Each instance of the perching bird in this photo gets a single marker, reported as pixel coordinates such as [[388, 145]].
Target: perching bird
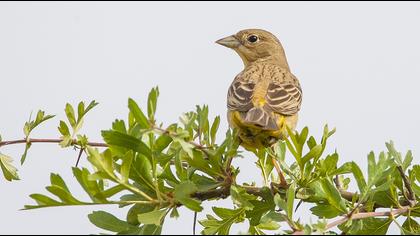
[[265, 97]]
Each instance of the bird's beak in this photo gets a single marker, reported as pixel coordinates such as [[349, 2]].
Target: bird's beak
[[230, 42]]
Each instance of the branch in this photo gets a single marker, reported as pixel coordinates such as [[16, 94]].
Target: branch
[[411, 197], [363, 215], [34, 140]]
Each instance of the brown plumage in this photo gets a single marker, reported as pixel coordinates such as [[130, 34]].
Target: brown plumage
[[265, 97]]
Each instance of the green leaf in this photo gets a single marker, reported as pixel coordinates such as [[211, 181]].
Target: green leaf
[[115, 138], [70, 115], [151, 103], [162, 142], [325, 211], [42, 201], [81, 111], [315, 152], [63, 128], [183, 193], [241, 198], [213, 129], [103, 162], [324, 188], [411, 226], [141, 172], [358, 175], [138, 114], [136, 209], [369, 226], [64, 195], [407, 160], [9, 171], [290, 200], [91, 187], [150, 230], [126, 167], [152, 218], [25, 153], [107, 221], [58, 181], [228, 217], [261, 207]]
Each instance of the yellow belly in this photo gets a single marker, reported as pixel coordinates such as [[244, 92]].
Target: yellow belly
[[254, 137]]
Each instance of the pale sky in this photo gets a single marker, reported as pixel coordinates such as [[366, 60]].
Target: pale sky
[[358, 64]]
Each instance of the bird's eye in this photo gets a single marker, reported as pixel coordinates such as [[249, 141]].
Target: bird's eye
[[252, 38]]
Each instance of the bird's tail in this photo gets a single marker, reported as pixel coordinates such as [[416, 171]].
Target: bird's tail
[[257, 116]]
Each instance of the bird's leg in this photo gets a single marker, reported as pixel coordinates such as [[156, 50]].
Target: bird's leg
[[283, 182]]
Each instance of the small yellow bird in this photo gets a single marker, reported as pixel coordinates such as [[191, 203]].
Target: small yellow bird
[[265, 97]]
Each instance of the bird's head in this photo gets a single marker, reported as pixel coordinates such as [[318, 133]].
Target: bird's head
[[255, 44]]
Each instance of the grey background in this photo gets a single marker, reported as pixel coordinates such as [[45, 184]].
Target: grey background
[[358, 64]]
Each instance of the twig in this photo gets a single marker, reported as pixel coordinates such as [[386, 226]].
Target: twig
[[195, 222], [35, 140], [411, 197], [363, 215], [80, 154]]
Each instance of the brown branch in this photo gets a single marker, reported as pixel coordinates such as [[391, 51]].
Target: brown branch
[[363, 215], [35, 140], [411, 197]]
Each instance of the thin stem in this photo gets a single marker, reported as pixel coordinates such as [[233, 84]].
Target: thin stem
[[363, 215], [195, 222], [35, 140], [411, 197], [80, 155]]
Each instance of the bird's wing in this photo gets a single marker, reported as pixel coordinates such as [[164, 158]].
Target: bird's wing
[[284, 97], [240, 95]]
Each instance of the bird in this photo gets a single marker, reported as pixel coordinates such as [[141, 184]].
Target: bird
[[265, 97]]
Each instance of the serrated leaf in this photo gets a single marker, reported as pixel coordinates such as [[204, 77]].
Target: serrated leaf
[[58, 181], [9, 171], [324, 188], [241, 198], [222, 227], [64, 195], [91, 187], [42, 201]]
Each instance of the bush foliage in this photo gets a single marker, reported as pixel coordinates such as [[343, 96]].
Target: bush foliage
[[151, 170]]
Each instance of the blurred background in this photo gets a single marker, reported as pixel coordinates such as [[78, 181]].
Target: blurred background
[[358, 64]]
